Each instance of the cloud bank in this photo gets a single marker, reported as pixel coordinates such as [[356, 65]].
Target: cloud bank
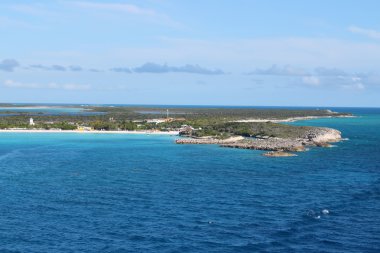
[[8, 65], [276, 70], [322, 77], [20, 85], [373, 34], [49, 68], [118, 7], [150, 67], [121, 70]]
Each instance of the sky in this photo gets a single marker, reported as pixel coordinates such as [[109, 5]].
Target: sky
[[199, 52]]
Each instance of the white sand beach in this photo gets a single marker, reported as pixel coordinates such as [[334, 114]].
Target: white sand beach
[[293, 119], [87, 132]]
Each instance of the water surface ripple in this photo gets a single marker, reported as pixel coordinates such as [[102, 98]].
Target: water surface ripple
[[136, 193]]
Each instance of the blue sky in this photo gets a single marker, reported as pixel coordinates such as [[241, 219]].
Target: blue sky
[[243, 52]]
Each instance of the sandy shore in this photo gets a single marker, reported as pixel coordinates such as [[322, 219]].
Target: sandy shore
[[87, 132], [293, 119]]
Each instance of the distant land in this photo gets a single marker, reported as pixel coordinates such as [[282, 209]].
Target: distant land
[[235, 127]]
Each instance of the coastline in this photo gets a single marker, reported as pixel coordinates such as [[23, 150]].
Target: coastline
[[278, 147], [87, 132], [293, 119]]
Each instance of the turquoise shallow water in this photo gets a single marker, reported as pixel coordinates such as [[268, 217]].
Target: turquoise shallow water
[[137, 193], [46, 110]]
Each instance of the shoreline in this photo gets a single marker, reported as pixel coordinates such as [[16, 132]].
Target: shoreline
[[278, 147], [294, 119], [87, 132]]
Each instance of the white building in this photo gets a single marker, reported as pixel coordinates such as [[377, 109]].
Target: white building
[[157, 121], [31, 122]]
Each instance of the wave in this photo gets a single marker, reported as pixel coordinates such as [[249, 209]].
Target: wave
[[317, 214]]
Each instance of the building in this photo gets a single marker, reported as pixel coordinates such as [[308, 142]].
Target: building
[[164, 120], [31, 122], [84, 128], [156, 121], [186, 130]]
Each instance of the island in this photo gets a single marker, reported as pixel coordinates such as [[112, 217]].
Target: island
[[278, 139], [265, 129]]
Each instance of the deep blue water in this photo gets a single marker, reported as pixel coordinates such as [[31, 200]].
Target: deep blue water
[[136, 193]]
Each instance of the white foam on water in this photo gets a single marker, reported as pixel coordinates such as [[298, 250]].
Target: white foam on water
[[325, 211], [317, 215]]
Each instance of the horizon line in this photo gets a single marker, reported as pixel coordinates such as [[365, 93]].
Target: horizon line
[[187, 105]]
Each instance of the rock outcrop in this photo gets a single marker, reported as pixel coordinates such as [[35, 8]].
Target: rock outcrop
[[318, 136], [323, 135], [278, 154], [210, 140], [271, 144]]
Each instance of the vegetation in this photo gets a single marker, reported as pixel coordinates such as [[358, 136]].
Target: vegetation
[[217, 122], [251, 130], [216, 114]]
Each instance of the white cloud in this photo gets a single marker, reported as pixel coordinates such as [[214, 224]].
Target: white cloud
[[354, 86], [125, 8], [322, 77], [348, 82], [34, 9], [322, 71], [238, 55], [150, 67], [20, 85], [280, 71], [104, 9], [72, 86], [117, 7], [6, 22], [356, 83], [366, 32], [311, 80]]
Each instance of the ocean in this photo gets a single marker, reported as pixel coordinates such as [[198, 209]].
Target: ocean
[[68, 192], [46, 110]]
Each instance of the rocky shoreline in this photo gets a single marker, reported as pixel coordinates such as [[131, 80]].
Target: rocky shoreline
[[278, 154], [210, 140], [317, 137]]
